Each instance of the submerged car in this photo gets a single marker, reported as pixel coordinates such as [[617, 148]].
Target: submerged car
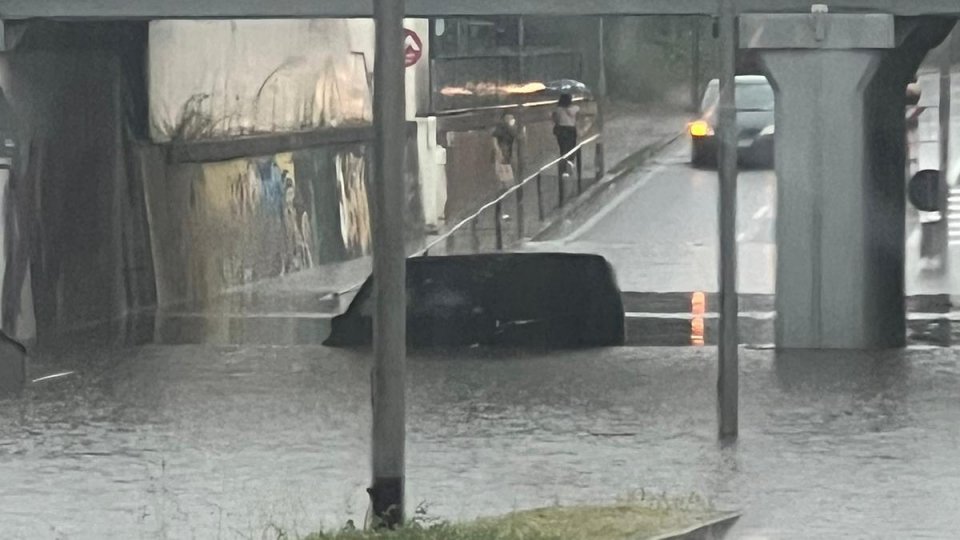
[[551, 300], [755, 129]]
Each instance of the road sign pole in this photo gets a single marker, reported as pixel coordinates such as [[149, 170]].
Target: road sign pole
[[389, 267], [728, 372]]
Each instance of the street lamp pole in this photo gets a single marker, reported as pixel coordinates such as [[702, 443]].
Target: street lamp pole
[[728, 373], [389, 268]]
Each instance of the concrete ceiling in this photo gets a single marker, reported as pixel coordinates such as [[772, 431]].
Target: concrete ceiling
[[237, 9]]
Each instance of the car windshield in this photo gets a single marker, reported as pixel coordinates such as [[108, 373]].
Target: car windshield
[[754, 97], [750, 96]]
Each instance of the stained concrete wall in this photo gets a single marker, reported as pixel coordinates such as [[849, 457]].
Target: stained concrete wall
[[80, 239], [101, 220], [222, 224], [220, 79], [217, 79]]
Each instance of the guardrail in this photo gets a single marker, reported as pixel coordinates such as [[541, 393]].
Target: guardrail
[[517, 191]]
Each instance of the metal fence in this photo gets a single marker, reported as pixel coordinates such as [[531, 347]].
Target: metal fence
[[533, 201]]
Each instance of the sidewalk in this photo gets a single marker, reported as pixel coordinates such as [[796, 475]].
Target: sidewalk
[[630, 127], [630, 132]]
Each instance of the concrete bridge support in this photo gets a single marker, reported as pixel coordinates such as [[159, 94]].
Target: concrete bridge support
[[840, 81]]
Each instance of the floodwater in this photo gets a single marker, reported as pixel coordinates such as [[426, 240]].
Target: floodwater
[[257, 431]]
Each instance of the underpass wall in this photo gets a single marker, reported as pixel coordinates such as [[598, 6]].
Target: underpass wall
[[101, 220], [239, 214], [222, 224], [80, 236]]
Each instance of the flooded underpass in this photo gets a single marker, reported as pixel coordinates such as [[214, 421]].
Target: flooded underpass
[[256, 429], [226, 417]]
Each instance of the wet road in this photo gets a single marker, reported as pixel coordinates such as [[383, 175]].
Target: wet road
[[223, 441], [661, 234], [228, 420]]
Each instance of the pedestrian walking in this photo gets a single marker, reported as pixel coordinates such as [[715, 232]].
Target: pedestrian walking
[[504, 135], [565, 130]]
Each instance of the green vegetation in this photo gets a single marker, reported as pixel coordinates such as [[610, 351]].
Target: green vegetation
[[632, 518]]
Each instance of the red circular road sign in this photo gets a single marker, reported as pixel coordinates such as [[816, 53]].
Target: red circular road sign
[[412, 47]]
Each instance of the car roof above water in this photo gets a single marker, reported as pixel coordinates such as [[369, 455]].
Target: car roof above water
[[744, 79]]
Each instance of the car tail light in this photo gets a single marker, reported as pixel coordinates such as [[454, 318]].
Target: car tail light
[[700, 129]]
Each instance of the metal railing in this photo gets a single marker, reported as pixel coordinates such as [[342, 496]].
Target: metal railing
[[517, 192]]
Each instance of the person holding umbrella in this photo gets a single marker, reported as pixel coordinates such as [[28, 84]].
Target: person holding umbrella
[[565, 129]]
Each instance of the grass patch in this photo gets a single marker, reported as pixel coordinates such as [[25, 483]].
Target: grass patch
[[629, 519]]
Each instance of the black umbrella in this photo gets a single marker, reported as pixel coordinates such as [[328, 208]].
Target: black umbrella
[[567, 86]]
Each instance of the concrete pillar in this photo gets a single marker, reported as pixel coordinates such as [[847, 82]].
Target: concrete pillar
[[820, 66], [840, 82]]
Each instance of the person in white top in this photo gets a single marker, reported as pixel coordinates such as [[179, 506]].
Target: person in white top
[[565, 129]]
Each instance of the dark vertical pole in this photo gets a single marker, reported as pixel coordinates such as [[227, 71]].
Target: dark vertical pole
[[461, 38], [474, 236], [540, 196], [942, 236], [695, 66], [579, 173], [451, 244], [521, 214], [560, 188], [601, 100], [521, 51], [498, 224], [521, 142], [431, 65], [389, 268], [728, 379]]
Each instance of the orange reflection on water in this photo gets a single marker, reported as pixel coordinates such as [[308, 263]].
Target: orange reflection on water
[[491, 89], [698, 306]]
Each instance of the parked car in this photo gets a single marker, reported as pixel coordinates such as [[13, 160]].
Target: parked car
[[755, 129]]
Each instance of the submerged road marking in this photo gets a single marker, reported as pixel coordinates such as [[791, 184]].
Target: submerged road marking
[[53, 376]]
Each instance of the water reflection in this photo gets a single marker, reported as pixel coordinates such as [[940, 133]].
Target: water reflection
[[652, 319], [698, 308], [204, 441]]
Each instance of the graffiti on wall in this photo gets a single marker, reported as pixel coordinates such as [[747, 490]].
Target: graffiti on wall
[[217, 226], [354, 205], [252, 216]]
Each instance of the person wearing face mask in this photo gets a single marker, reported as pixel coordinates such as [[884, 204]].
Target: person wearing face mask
[[504, 136]]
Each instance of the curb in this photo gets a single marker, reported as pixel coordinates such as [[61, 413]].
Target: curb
[[714, 529], [606, 184]]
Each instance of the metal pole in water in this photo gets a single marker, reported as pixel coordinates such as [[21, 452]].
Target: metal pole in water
[[695, 66], [389, 268], [942, 245], [601, 98], [728, 372]]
